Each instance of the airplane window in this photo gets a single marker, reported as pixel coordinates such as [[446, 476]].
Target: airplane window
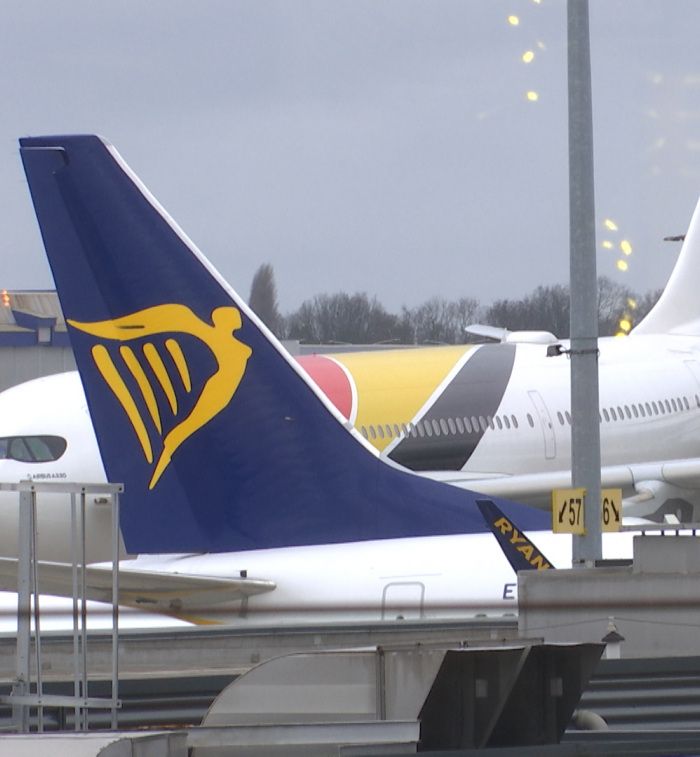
[[668, 405], [627, 412], [421, 430], [475, 424], [514, 421], [620, 414], [460, 425], [648, 408], [428, 428], [482, 423], [489, 420], [380, 431], [686, 403], [451, 424], [443, 427], [32, 449], [499, 424], [568, 416], [613, 413], [697, 400], [19, 450], [363, 431], [506, 420], [635, 412], [404, 430], [675, 406], [655, 407], [397, 433], [560, 417], [468, 425], [606, 414], [372, 433], [530, 420]]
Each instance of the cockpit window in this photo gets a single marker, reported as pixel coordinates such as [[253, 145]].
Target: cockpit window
[[32, 449]]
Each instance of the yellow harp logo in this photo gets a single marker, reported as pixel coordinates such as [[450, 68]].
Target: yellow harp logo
[[231, 357]]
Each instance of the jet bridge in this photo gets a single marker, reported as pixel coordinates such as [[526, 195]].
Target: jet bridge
[[398, 697]]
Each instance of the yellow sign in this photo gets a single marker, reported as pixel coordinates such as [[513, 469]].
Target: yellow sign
[[611, 509], [567, 511], [568, 506]]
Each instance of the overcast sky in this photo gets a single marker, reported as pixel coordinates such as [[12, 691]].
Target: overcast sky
[[383, 146]]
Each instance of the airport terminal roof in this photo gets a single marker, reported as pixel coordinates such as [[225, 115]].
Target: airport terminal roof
[[30, 317]]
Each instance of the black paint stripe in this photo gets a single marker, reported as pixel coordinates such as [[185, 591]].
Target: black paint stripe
[[476, 390]]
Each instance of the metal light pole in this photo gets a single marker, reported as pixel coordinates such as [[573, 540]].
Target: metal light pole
[[585, 427]]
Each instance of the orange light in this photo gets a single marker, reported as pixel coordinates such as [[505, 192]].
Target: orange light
[[6, 298]]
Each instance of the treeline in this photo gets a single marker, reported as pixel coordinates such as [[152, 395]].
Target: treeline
[[360, 319]]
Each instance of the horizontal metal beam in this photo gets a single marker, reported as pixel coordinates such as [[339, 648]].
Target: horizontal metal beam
[[62, 487], [289, 734], [57, 700]]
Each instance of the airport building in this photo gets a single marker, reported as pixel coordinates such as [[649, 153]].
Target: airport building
[[33, 337]]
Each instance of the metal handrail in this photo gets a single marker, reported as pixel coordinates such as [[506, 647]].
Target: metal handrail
[[21, 698]]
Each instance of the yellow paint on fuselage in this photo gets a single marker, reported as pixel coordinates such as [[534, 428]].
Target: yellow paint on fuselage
[[393, 385]]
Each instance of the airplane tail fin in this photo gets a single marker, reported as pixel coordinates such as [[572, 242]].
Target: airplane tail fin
[[520, 551], [678, 309], [221, 441]]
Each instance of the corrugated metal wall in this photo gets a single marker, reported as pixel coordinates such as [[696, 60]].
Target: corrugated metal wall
[[18, 364]]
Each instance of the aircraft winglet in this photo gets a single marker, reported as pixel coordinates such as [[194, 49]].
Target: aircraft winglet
[[520, 551]]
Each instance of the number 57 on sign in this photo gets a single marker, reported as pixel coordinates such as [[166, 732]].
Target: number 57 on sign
[[568, 508]]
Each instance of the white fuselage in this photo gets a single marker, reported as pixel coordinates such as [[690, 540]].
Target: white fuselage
[[443, 577], [636, 374], [453, 576]]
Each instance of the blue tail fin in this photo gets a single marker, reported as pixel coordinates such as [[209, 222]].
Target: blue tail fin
[[220, 440], [520, 552]]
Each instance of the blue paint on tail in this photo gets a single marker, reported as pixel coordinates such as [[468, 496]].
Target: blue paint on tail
[[256, 459]]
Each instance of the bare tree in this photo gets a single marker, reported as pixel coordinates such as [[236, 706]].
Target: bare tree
[[342, 317], [546, 309], [263, 299], [440, 321]]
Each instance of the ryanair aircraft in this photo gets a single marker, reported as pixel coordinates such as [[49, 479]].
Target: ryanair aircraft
[[234, 459], [248, 496]]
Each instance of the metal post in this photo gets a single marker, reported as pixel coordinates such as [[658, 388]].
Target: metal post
[[585, 427], [76, 641], [37, 609], [115, 607], [83, 612], [20, 712]]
